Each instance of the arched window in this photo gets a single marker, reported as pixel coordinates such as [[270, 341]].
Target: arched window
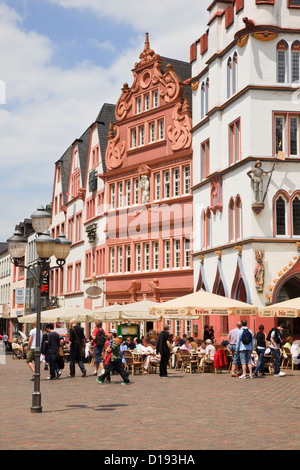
[[296, 215], [282, 61], [231, 219], [238, 217], [234, 73], [208, 228], [229, 66], [206, 95], [280, 215], [202, 100], [295, 65]]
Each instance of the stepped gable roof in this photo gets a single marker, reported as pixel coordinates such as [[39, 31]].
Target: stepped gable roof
[[103, 120]]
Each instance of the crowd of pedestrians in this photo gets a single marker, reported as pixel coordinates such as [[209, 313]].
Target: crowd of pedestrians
[[249, 351]]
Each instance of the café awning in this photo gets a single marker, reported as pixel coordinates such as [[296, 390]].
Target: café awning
[[201, 303], [289, 309]]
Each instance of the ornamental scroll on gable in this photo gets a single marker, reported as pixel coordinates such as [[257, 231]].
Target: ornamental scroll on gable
[[180, 133], [148, 74], [114, 155]]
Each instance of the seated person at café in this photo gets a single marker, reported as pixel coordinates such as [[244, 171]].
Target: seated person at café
[[295, 352], [193, 343], [187, 345], [209, 353]]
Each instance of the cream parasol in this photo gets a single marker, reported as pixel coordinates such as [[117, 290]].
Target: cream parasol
[[201, 303], [61, 314], [289, 309]]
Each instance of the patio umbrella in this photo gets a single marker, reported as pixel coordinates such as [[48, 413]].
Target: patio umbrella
[[136, 311], [289, 309], [201, 303], [61, 314]]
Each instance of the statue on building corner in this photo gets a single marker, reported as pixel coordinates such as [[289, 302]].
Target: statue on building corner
[[256, 175], [259, 271]]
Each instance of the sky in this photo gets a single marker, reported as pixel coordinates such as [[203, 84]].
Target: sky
[[60, 61]]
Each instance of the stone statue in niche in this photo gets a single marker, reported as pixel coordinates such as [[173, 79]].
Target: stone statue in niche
[[145, 185], [259, 272], [256, 175]]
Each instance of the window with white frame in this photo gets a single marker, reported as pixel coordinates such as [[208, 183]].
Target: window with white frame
[[281, 215], [146, 256], [167, 254], [128, 192], [112, 260], [152, 132], [166, 184], [176, 182], [120, 194], [120, 259], [186, 179], [112, 196], [188, 328], [138, 105], [155, 99], [282, 62], [177, 254], [187, 252], [178, 328], [157, 186], [128, 259], [141, 136], [147, 102], [138, 257], [295, 59], [133, 138], [136, 188], [155, 255], [161, 129], [286, 133]]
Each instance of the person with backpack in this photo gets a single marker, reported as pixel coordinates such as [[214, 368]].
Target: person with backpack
[[99, 339], [275, 338], [244, 347], [260, 346]]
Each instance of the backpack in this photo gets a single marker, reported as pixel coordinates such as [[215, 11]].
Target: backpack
[[100, 338], [246, 337], [277, 337]]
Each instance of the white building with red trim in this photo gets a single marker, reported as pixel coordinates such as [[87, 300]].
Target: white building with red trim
[[245, 84]]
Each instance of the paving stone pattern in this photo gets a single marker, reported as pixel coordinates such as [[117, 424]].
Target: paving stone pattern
[[184, 412]]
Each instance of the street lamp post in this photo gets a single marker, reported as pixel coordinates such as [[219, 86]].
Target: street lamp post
[[46, 247]]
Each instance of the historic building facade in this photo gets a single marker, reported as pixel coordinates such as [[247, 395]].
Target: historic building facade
[[148, 185], [246, 155]]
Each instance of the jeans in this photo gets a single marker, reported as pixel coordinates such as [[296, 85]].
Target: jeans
[[75, 357], [163, 364], [277, 360], [245, 356], [114, 366], [53, 365], [260, 363]]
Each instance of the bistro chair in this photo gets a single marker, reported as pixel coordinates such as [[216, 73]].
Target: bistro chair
[[133, 362], [287, 359]]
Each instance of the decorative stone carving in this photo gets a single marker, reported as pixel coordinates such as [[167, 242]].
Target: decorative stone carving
[[145, 185], [259, 271], [115, 150], [170, 87], [124, 103], [180, 135], [91, 231]]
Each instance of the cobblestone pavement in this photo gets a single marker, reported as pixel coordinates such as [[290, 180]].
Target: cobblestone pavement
[[185, 412]]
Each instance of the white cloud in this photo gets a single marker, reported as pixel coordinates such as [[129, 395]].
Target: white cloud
[[47, 107]]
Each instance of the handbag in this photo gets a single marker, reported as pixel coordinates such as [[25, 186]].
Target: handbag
[[82, 350]]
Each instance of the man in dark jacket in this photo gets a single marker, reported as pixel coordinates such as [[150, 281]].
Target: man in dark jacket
[[163, 347], [53, 349], [76, 342]]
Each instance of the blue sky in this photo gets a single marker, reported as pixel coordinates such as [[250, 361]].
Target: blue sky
[[61, 60]]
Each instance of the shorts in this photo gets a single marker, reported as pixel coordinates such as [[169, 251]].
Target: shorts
[[235, 355], [98, 355], [245, 356], [30, 355]]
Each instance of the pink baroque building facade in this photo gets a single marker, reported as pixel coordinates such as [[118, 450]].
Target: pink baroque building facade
[[148, 186]]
